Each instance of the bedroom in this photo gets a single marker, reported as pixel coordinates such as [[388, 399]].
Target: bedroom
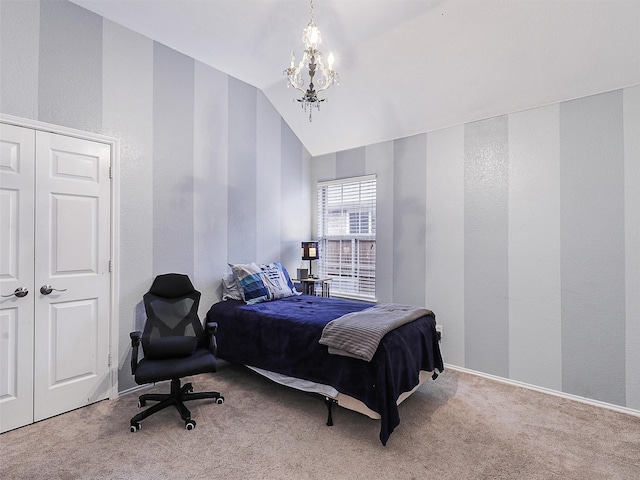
[[501, 263]]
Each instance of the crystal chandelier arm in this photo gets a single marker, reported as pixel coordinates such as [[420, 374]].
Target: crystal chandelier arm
[[293, 73], [327, 76]]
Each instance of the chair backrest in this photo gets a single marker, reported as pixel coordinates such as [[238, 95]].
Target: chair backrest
[[171, 305]]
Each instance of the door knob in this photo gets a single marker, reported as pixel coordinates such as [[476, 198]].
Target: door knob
[[18, 292], [47, 289]]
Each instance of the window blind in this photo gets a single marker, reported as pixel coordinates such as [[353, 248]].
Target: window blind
[[347, 235]]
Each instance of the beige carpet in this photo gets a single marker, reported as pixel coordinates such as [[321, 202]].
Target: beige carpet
[[459, 427]]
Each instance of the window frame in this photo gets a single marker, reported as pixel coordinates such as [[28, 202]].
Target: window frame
[[346, 231]]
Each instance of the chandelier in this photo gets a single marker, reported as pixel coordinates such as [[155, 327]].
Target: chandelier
[[321, 77]]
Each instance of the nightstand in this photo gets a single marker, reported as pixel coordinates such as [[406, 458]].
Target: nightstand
[[309, 285]]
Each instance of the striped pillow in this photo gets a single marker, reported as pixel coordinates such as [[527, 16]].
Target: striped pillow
[[249, 279]]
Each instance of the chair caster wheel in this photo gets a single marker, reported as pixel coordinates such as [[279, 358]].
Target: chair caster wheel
[[134, 427], [190, 424], [220, 400], [141, 403]]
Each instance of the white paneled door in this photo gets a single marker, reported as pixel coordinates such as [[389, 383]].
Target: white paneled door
[[55, 207], [17, 180]]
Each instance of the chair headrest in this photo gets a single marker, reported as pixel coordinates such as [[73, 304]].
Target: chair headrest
[[171, 285]]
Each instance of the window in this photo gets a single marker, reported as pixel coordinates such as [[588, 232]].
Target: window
[[347, 235]]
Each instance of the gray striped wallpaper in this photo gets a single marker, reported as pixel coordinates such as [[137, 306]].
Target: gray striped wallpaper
[[522, 233], [206, 162]]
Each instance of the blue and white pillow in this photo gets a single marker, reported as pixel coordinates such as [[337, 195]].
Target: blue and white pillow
[[276, 278], [249, 279], [264, 282]]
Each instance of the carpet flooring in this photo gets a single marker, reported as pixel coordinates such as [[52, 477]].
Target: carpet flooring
[[460, 426]]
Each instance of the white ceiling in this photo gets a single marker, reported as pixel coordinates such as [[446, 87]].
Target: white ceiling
[[406, 66]]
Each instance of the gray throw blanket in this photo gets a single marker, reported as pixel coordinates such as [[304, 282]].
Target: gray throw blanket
[[358, 334]]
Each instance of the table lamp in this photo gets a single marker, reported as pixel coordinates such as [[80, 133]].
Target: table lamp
[[310, 252]]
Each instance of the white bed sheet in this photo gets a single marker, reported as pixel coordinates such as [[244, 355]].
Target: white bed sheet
[[343, 400]]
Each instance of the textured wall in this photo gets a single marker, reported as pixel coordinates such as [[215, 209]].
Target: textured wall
[[521, 232], [206, 163], [592, 255]]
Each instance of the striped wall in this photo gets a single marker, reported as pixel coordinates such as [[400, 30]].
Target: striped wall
[[206, 163], [522, 233]]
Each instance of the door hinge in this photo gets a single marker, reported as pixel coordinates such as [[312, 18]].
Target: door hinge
[[110, 171], [109, 360], [110, 266]]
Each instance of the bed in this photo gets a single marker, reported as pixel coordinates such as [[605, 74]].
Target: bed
[[280, 339]]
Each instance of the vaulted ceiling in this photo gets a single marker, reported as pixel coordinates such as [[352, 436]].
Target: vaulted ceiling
[[406, 66]]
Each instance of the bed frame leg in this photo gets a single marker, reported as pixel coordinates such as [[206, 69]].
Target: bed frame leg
[[329, 403]]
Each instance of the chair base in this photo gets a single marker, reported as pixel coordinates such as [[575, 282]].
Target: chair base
[[179, 394]]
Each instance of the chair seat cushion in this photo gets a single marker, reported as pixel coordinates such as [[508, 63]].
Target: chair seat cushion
[[150, 370], [169, 347]]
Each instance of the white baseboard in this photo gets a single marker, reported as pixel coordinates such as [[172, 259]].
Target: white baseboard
[[568, 396], [515, 383]]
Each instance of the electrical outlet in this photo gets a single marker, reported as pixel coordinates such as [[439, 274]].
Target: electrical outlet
[[439, 331]]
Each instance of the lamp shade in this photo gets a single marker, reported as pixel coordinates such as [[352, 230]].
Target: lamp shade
[[310, 251]]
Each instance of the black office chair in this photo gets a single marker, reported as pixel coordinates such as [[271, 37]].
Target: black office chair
[[175, 345]]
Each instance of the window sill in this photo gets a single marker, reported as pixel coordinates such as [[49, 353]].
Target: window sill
[[354, 297]]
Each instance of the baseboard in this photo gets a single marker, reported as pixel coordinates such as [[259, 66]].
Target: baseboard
[[549, 391], [495, 378]]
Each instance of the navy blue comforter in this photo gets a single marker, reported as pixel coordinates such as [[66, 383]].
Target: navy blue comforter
[[282, 336]]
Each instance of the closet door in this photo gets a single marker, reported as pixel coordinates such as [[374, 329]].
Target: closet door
[[72, 279], [17, 154], [55, 252]]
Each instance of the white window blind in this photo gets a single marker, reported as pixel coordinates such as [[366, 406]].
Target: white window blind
[[347, 235]]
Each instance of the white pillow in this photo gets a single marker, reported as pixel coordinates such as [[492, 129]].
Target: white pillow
[[230, 289]]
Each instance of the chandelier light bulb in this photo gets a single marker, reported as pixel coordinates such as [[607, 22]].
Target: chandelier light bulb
[[315, 34], [330, 60]]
